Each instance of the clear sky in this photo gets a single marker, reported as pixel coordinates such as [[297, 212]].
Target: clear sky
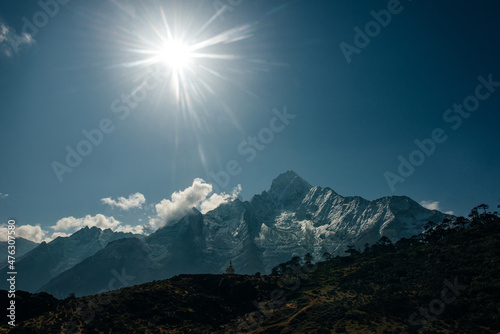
[[153, 95]]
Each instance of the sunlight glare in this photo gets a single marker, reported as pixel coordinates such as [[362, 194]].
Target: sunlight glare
[[175, 54], [197, 59]]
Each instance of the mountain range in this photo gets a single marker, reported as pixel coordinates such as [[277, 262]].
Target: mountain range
[[292, 218], [442, 281], [47, 260], [23, 246]]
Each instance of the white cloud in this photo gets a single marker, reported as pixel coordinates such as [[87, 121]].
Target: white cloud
[[2, 196], [170, 210], [434, 206], [10, 42], [30, 232], [217, 199], [138, 229], [430, 205], [73, 224], [167, 211], [33, 233], [133, 201], [67, 226], [55, 235]]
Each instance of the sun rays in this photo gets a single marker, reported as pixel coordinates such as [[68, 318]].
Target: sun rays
[[204, 64], [194, 54]]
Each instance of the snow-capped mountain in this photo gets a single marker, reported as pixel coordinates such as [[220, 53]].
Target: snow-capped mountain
[[48, 260], [291, 218]]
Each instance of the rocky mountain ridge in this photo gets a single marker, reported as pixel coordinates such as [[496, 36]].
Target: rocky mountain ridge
[[290, 219]]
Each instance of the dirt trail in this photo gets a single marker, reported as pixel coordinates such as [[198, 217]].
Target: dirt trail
[[286, 322]]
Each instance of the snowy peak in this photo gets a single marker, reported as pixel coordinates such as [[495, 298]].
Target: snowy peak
[[402, 203], [292, 218], [170, 233], [287, 179], [288, 188], [91, 235], [86, 233]]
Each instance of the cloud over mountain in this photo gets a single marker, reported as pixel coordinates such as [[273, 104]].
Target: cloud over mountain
[[133, 201], [217, 199], [433, 205], [73, 224], [430, 205], [196, 195], [29, 232]]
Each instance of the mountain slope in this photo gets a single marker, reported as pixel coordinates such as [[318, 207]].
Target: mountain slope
[[48, 260], [23, 246], [291, 218], [318, 220], [445, 281]]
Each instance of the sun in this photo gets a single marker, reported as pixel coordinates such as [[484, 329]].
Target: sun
[[193, 56], [175, 54]]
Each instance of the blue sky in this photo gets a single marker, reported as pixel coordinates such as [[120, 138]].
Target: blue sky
[[271, 88]]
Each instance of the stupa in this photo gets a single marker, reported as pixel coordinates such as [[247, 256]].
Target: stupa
[[230, 269]]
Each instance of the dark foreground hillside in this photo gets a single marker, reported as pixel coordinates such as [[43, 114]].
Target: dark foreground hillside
[[445, 281]]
